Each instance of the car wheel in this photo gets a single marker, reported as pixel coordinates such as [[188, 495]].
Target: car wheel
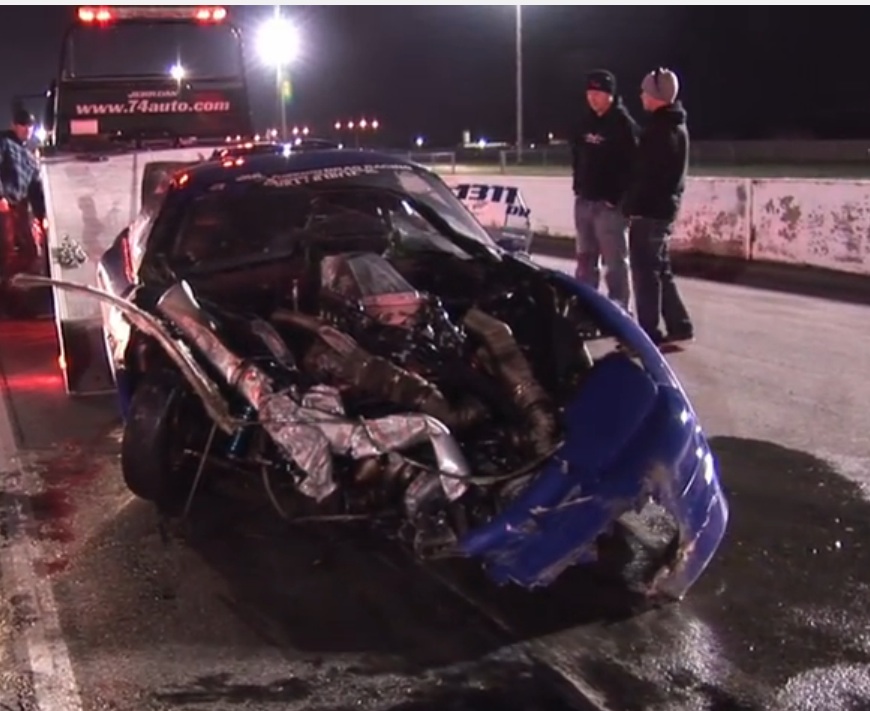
[[156, 435]]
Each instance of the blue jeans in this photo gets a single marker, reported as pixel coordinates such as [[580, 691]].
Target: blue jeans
[[655, 291], [602, 236]]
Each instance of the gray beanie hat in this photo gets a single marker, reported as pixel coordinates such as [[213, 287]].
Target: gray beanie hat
[[661, 84]]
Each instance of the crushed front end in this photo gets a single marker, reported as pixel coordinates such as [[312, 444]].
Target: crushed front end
[[631, 438]]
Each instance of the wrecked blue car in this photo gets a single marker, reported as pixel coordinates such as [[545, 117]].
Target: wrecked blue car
[[335, 328]]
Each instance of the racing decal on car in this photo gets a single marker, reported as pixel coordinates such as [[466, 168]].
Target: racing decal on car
[[479, 198], [307, 177], [502, 210]]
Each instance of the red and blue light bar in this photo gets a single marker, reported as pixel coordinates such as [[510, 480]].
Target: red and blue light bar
[[107, 14]]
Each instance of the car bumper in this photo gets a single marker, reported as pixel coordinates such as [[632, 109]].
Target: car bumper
[[629, 440], [631, 436]]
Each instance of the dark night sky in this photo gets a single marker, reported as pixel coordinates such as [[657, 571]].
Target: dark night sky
[[748, 72]]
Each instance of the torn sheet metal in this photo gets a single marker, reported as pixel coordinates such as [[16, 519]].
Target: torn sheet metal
[[202, 385]]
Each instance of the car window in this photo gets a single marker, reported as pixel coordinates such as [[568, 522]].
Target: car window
[[221, 228], [224, 227]]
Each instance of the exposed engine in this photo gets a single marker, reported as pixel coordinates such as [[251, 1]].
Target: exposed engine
[[378, 396]]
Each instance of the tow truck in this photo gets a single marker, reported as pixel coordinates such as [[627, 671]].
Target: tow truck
[[113, 138]]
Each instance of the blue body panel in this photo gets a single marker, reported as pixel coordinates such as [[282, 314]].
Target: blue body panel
[[631, 435]]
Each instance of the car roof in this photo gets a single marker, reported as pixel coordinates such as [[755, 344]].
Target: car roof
[[205, 175]]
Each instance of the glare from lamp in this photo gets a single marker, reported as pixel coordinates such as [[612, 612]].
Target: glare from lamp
[[278, 42], [177, 72]]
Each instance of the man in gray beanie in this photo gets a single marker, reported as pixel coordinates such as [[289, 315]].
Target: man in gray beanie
[[652, 205]]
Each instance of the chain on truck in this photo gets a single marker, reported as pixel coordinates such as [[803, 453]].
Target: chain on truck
[[114, 135]]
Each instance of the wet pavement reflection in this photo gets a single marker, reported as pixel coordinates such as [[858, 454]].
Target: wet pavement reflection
[[779, 621]]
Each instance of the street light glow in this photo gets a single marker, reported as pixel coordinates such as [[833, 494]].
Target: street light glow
[[278, 42], [177, 72]]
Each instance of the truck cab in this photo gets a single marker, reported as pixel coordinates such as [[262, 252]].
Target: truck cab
[[181, 78]]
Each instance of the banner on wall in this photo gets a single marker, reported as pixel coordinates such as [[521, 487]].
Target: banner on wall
[[502, 210]]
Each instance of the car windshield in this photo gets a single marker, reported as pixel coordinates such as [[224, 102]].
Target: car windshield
[[357, 208]]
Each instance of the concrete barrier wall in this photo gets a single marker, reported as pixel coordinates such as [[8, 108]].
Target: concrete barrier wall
[[819, 223]]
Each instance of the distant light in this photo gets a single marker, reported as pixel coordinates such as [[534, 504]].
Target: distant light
[[363, 124], [481, 143], [376, 124], [286, 150], [278, 42], [338, 125], [40, 134], [350, 125], [295, 130], [419, 141], [341, 145], [177, 72], [550, 136], [305, 131]]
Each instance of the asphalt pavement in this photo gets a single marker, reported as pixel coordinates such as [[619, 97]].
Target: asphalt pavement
[[242, 613]]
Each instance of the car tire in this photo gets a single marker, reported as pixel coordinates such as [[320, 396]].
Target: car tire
[[152, 462]]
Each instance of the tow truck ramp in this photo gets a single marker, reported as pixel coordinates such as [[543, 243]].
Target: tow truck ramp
[[90, 200]]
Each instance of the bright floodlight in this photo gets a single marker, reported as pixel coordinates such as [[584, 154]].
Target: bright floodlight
[[177, 72], [278, 42]]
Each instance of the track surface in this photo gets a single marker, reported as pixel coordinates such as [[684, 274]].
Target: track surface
[[244, 614]]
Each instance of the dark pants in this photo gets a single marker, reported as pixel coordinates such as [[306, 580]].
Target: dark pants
[[655, 290], [20, 247]]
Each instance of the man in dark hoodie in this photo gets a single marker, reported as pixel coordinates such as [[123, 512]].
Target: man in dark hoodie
[[652, 204], [603, 150], [21, 193]]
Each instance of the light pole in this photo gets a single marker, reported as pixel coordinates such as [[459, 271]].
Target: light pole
[[519, 83], [278, 43]]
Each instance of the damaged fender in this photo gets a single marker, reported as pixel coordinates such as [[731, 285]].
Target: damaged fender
[[631, 436]]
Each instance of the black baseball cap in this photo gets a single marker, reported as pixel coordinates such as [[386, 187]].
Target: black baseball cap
[[22, 117], [601, 80]]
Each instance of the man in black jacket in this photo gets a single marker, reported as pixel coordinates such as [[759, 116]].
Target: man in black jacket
[[652, 205], [602, 150]]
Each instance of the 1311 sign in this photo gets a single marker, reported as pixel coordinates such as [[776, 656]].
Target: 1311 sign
[[498, 194]]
